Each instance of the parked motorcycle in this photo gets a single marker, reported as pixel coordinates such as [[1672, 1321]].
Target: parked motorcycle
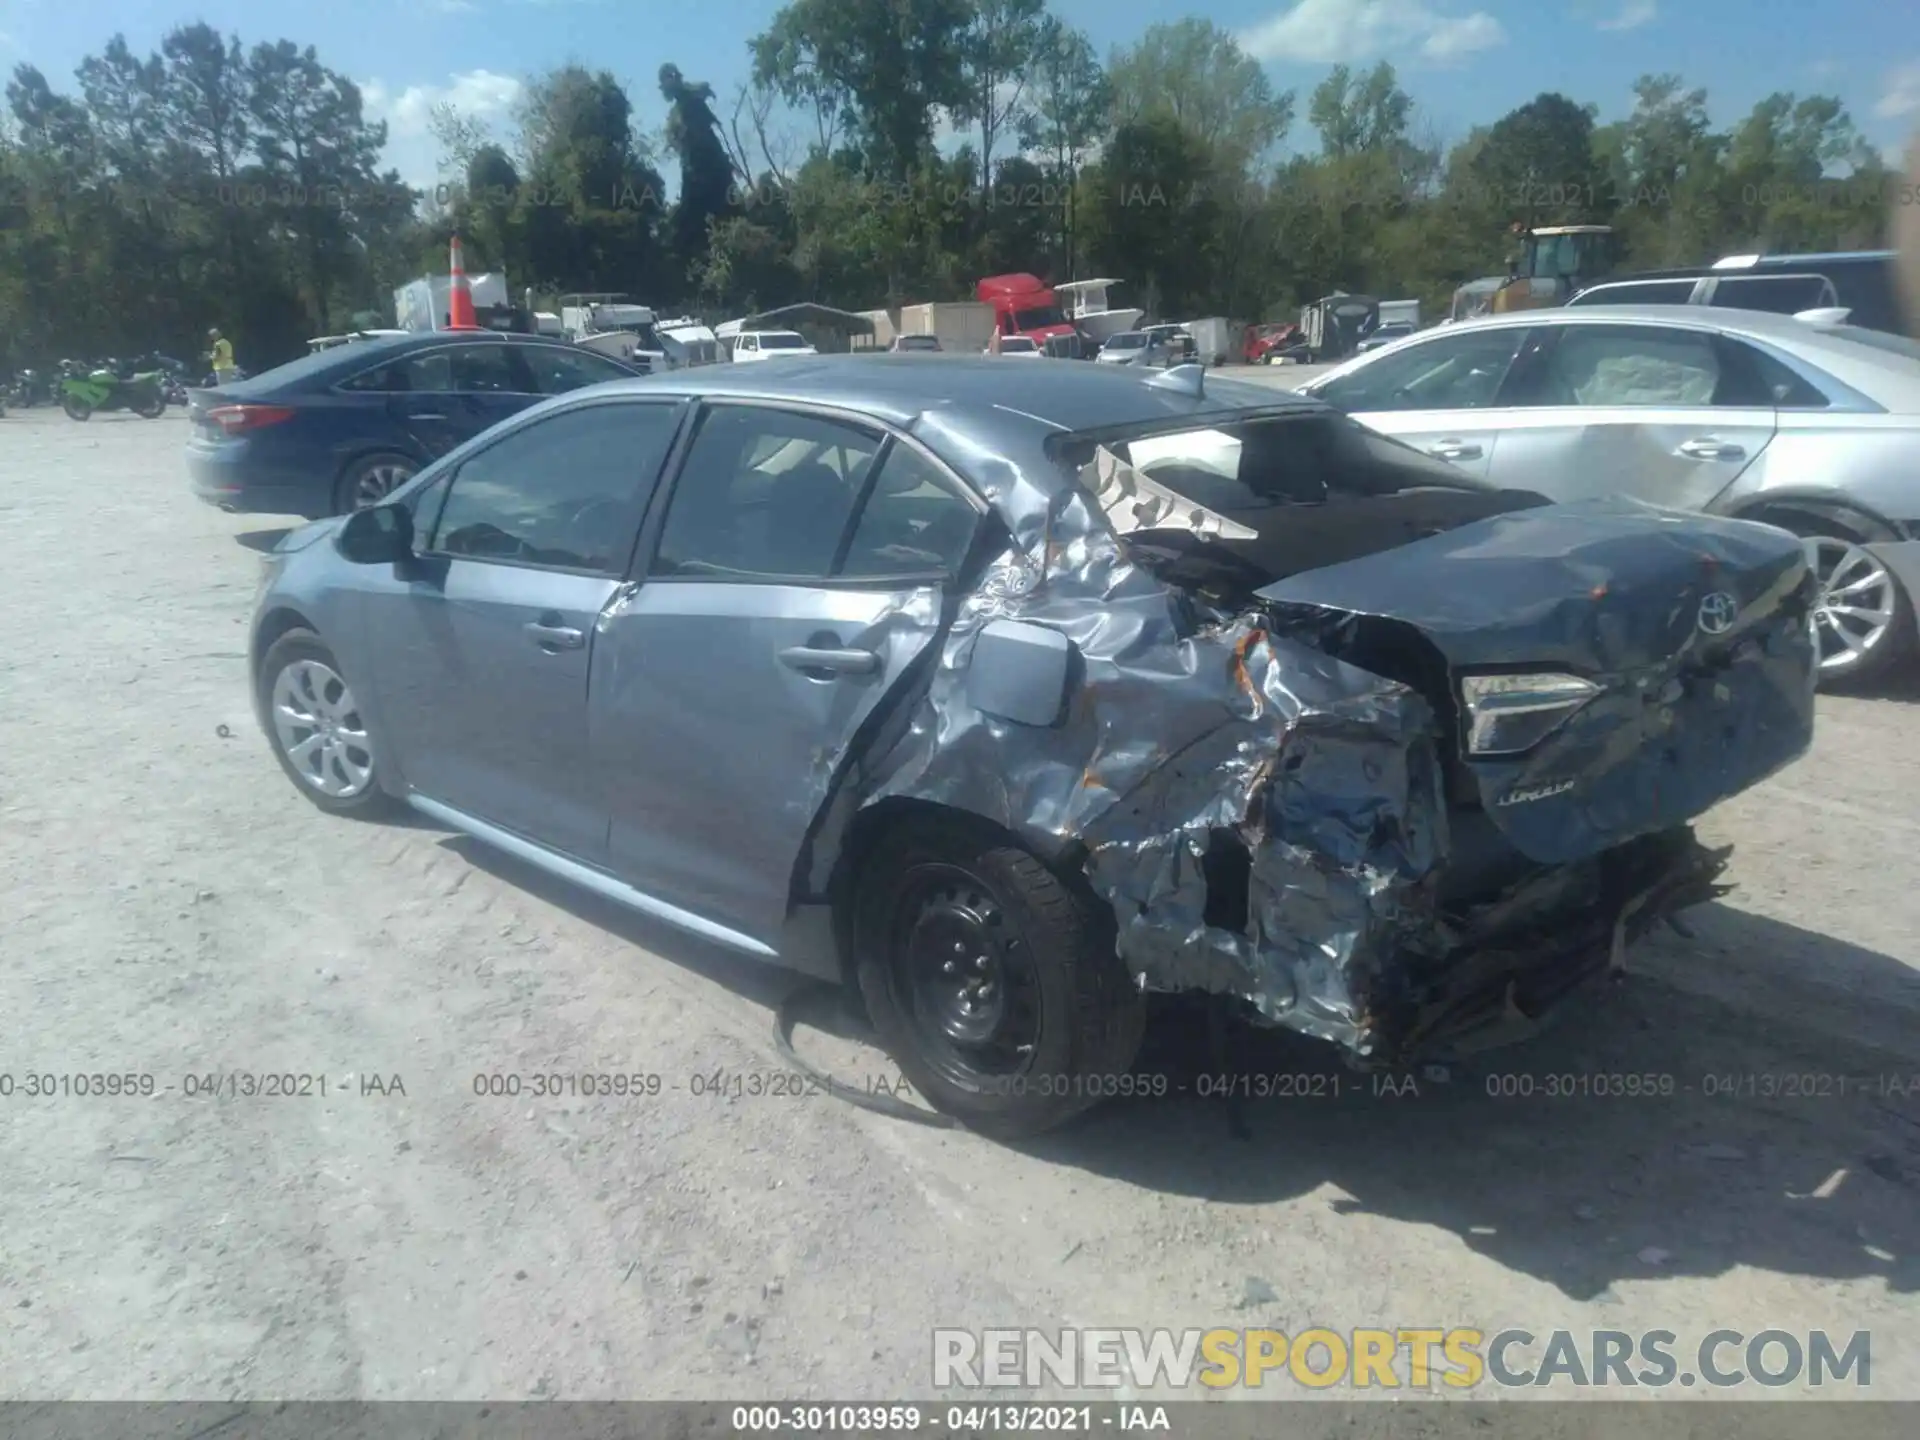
[[84, 394], [29, 388]]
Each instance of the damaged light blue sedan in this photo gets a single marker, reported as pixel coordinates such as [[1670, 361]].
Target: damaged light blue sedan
[[1010, 693]]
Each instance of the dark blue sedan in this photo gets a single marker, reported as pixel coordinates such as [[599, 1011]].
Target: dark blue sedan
[[336, 431]]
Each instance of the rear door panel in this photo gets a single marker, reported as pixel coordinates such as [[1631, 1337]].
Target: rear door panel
[[1682, 457]]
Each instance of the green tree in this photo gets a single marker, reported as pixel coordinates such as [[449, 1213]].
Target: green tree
[[706, 173]]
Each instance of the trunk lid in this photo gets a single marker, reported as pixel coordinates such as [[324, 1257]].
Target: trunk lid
[[1691, 632]]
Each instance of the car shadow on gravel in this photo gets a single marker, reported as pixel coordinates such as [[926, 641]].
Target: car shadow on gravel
[[1656, 1131], [1759, 1131]]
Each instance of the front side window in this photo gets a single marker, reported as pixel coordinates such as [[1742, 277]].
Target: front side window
[[1456, 372], [783, 342], [564, 492], [1629, 365]]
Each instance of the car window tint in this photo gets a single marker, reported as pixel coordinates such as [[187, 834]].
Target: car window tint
[[763, 493], [1756, 378], [557, 369], [1651, 292], [488, 370], [1780, 294], [913, 522], [1629, 365], [1460, 372], [427, 370], [565, 491]]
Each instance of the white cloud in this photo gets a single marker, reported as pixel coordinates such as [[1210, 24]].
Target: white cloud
[[1334, 32], [1632, 15], [411, 148], [1901, 98]]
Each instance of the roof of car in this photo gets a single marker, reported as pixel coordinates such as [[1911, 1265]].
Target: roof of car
[[1064, 395]]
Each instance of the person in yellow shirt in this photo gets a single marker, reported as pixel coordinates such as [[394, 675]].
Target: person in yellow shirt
[[222, 356]]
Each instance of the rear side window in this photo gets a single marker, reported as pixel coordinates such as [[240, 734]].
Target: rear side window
[[1755, 378], [1777, 294], [490, 370], [429, 371], [763, 494], [1648, 292], [1604, 365], [557, 370], [565, 492]]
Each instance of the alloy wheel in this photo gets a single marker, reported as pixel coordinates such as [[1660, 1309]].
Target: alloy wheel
[[378, 481], [1856, 606], [318, 726]]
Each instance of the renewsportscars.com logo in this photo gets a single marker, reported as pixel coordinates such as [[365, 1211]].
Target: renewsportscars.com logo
[[1400, 1358]]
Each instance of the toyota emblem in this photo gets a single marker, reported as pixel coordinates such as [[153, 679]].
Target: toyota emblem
[[1718, 612]]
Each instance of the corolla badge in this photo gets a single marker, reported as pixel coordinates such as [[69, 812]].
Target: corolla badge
[[1718, 611]]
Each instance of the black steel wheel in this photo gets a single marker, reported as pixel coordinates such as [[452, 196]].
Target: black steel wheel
[[991, 980]]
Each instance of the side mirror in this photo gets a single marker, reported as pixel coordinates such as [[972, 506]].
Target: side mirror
[[378, 535]]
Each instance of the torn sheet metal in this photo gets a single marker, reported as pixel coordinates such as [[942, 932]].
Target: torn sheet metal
[[1190, 734], [1177, 729]]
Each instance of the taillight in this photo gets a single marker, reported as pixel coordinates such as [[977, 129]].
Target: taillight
[[238, 419]]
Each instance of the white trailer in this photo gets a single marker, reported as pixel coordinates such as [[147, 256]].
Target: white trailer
[[961, 326], [422, 304], [1214, 340], [1400, 312]]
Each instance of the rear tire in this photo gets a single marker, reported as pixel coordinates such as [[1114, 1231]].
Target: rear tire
[[369, 480], [315, 728], [991, 982]]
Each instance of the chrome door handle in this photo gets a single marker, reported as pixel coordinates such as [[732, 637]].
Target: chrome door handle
[[556, 637], [1454, 450], [838, 662], [1706, 449]]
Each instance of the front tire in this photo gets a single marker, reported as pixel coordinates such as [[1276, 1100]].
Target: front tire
[[153, 408], [76, 409], [991, 982], [316, 729]]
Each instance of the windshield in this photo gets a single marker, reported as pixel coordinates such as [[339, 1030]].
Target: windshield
[[782, 340], [1132, 340], [919, 342], [1038, 319], [1017, 343]]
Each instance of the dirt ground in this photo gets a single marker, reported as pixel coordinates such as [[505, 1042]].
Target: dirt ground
[[169, 907]]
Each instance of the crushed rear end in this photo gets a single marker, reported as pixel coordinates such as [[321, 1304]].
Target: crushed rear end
[[1404, 794]]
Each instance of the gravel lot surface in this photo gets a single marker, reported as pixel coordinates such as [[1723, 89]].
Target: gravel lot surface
[[169, 907]]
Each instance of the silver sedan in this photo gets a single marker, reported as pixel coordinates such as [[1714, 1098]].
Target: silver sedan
[[1815, 428]]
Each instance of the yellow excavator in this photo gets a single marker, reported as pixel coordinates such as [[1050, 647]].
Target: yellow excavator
[[1553, 262]]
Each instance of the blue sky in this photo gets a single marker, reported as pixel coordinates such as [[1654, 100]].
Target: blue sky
[[1464, 61]]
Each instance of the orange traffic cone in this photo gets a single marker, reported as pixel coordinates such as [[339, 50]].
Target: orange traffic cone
[[460, 314]]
